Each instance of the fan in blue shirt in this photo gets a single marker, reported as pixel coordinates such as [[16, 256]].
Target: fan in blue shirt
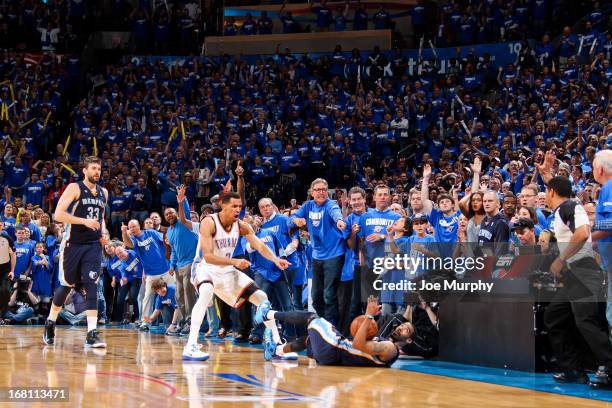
[[34, 191], [114, 265], [261, 265], [129, 282], [41, 273], [278, 224], [25, 221], [149, 245], [17, 174], [422, 245], [180, 236], [397, 242], [24, 251], [165, 305], [249, 26], [267, 275], [325, 224], [445, 220], [351, 234], [373, 225], [132, 270], [603, 213], [324, 14]]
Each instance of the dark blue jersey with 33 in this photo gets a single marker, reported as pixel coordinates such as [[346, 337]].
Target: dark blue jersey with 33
[[90, 205]]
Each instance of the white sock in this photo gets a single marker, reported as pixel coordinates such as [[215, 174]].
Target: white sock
[[279, 350], [271, 324], [271, 314], [92, 323], [53, 313], [198, 312]]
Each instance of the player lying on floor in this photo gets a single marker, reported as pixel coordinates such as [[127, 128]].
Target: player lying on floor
[[326, 345]]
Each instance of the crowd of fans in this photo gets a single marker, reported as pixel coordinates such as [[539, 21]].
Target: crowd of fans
[[64, 26], [446, 153], [177, 23], [54, 25], [452, 23]]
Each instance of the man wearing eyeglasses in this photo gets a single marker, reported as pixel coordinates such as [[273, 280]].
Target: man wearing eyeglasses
[[323, 218], [602, 231], [529, 198]]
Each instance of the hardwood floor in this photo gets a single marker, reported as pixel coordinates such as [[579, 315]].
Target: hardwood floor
[[146, 370]]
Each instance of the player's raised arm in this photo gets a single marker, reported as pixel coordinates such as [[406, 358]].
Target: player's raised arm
[[207, 230], [259, 246], [61, 214], [385, 350]]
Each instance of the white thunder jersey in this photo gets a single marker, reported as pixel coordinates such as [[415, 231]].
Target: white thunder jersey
[[224, 243], [228, 282]]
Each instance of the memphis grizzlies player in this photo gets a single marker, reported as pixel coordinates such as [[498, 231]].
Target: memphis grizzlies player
[[81, 209]]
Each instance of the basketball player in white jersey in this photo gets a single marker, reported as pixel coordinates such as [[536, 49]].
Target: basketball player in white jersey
[[219, 273]]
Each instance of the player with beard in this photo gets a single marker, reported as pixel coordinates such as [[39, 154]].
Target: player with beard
[[396, 333], [81, 209]]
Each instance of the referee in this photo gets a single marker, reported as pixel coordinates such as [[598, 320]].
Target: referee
[[7, 269], [577, 304]]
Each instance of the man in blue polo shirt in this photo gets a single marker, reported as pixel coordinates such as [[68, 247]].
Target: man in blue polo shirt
[[602, 172], [325, 226], [149, 245], [183, 242]]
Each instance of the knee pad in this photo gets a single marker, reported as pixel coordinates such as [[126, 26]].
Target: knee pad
[[60, 295], [252, 290], [91, 295]]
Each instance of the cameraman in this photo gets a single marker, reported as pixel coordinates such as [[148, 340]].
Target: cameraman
[[22, 302], [418, 323]]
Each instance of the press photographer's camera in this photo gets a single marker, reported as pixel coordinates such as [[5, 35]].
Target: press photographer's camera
[[23, 283]]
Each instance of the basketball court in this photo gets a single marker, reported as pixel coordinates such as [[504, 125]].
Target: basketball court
[[146, 369]]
